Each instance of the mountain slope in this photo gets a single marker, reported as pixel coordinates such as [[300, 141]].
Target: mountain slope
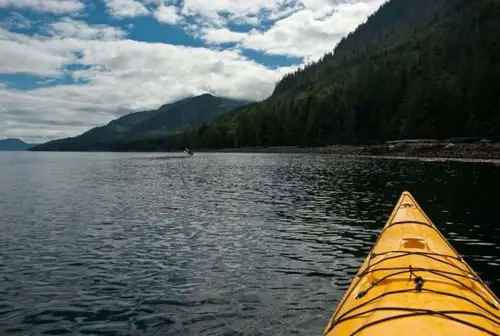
[[167, 119], [187, 113], [416, 68], [12, 144]]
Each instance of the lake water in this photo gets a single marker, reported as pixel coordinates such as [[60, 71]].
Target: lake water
[[215, 244]]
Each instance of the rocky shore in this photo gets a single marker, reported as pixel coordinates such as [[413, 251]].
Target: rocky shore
[[432, 149]]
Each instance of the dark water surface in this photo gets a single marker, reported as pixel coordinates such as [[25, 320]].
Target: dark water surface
[[216, 244]]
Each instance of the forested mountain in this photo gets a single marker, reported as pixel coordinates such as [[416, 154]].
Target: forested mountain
[[168, 119], [416, 68], [12, 144]]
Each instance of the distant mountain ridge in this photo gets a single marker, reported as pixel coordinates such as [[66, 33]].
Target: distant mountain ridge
[[167, 119], [14, 144], [416, 69]]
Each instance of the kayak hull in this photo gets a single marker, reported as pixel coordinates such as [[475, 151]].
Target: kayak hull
[[413, 282]]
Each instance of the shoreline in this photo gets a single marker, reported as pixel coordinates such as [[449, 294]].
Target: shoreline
[[480, 151], [412, 149]]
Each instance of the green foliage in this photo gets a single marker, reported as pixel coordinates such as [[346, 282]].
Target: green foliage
[[416, 68], [144, 127]]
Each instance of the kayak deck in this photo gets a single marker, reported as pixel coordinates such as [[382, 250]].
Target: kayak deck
[[413, 282]]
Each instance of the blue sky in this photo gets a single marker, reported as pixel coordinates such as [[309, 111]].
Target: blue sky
[[69, 65]]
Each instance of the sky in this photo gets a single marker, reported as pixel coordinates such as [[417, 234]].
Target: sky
[[70, 65]]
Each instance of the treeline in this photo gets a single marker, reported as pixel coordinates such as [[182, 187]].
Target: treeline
[[415, 69], [133, 128]]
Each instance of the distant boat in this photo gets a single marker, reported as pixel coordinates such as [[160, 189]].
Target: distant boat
[[188, 152]]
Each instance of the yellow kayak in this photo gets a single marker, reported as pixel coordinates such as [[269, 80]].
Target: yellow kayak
[[413, 282]]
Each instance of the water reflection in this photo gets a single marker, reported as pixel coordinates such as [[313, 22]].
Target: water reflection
[[214, 244]]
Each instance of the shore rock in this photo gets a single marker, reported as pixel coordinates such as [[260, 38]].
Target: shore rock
[[476, 150]]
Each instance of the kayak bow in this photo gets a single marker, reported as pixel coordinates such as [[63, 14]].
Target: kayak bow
[[413, 282]]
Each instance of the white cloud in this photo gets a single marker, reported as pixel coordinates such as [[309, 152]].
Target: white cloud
[[22, 54], [215, 12], [18, 58], [16, 21], [322, 6], [223, 35], [167, 14], [126, 8], [116, 76], [212, 10], [47, 56], [307, 33], [49, 6], [68, 27], [252, 20], [280, 13]]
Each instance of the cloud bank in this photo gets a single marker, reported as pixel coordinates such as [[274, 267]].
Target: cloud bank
[[69, 75]]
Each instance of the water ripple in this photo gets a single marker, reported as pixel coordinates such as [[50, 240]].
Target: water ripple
[[226, 244]]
